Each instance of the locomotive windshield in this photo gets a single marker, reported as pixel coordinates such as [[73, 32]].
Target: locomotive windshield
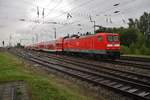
[[116, 38], [112, 38]]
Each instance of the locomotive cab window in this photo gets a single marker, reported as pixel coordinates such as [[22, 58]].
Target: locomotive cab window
[[116, 38], [99, 38], [112, 38], [109, 38]]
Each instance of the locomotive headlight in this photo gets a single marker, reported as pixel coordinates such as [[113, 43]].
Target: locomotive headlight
[[109, 45], [117, 45]]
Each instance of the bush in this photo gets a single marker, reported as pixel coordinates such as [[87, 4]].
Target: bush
[[144, 50], [124, 49], [129, 36]]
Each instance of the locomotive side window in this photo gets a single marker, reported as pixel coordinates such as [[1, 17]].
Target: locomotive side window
[[99, 38]]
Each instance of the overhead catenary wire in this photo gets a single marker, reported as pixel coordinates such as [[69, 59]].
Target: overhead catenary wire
[[111, 8], [43, 13], [74, 8], [55, 6], [86, 2]]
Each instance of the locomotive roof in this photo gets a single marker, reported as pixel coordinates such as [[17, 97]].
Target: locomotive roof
[[106, 34], [90, 35]]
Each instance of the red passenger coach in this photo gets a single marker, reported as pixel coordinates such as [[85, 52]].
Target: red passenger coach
[[51, 46], [106, 44], [59, 45]]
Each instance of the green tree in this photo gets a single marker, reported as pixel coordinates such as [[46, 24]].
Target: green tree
[[131, 23], [144, 22], [129, 36]]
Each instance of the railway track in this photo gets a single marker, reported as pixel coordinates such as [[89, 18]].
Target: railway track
[[132, 76], [126, 61], [140, 78], [135, 64], [139, 62], [137, 90], [142, 64]]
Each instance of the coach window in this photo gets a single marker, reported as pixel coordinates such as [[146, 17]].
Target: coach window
[[99, 38]]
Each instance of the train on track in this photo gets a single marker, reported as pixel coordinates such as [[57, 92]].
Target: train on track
[[97, 45]]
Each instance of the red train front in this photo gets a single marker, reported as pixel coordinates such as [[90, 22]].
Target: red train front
[[100, 44]]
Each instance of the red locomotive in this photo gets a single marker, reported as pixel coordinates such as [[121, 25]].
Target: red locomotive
[[100, 44]]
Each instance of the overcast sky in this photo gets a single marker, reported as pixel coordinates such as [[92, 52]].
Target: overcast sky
[[19, 20]]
